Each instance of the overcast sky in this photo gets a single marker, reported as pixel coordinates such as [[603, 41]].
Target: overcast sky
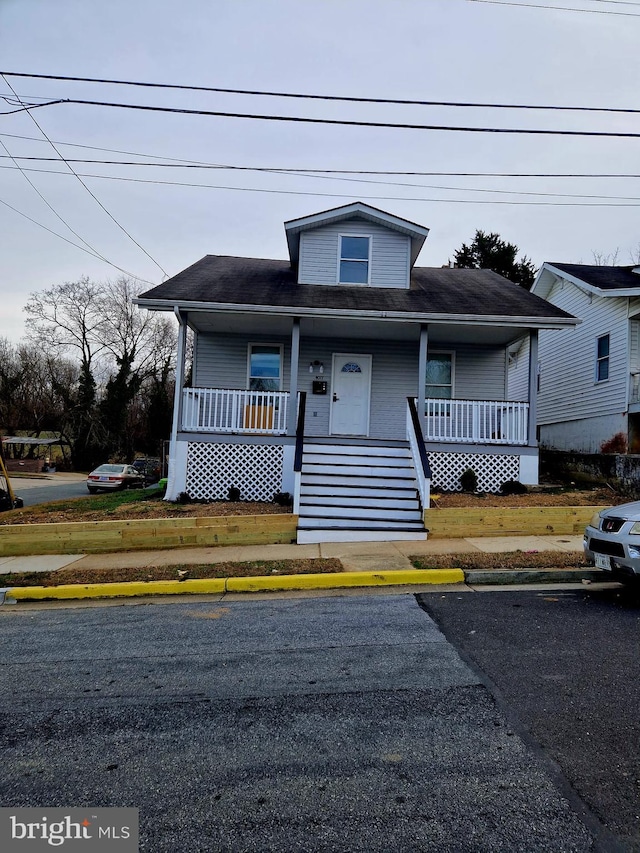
[[436, 50]]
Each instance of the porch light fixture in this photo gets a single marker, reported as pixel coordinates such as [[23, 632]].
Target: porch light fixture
[[316, 367]]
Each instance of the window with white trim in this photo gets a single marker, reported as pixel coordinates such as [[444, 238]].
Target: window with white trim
[[602, 358], [265, 367], [439, 378], [354, 260]]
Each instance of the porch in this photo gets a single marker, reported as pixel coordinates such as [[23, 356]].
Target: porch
[[237, 412]]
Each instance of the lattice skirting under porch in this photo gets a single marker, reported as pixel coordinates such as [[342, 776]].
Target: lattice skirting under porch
[[492, 471], [255, 469]]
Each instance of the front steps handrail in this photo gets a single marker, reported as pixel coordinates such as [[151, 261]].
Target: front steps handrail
[[415, 437], [299, 450]]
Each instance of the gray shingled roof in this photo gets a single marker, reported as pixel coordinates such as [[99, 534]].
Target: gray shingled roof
[[256, 281], [604, 278]]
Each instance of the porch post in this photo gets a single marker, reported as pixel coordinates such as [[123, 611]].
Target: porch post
[[422, 375], [293, 379], [533, 387], [180, 359]]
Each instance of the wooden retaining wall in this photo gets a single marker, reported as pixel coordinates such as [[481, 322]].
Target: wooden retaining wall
[[96, 537], [503, 521]]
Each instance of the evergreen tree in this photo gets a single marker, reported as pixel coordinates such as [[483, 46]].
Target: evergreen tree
[[489, 251]]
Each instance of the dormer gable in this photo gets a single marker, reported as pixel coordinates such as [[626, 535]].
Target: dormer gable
[[355, 245]]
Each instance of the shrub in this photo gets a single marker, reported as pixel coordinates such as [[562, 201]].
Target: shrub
[[513, 487], [234, 494], [469, 480], [184, 498], [283, 499], [616, 444]]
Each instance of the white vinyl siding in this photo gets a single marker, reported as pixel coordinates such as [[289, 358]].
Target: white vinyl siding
[[518, 375], [320, 250], [221, 360], [479, 373], [568, 386]]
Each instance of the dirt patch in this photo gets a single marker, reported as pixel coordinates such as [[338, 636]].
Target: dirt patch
[[70, 511], [575, 497], [257, 568], [508, 560]]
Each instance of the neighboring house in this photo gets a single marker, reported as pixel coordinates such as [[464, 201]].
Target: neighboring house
[[330, 374], [589, 378]]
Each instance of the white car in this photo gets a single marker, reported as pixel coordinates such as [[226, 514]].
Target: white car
[[612, 541], [114, 477]]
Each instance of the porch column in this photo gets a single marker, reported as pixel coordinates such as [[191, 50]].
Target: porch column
[[533, 387], [422, 376], [293, 379], [180, 359]]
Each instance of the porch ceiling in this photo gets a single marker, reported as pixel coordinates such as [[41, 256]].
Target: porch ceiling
[[269, 324]]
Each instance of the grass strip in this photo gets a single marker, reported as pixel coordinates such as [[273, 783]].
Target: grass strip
[[183, 571]]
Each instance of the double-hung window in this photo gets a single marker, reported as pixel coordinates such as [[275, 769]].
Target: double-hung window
[[265, 367], [602, 358], [439, 378], [354, 262]]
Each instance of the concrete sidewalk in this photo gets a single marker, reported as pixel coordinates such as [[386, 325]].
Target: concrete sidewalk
[[355, 556]]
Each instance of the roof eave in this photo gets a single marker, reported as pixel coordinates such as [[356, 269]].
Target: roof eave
[[517, 321], [585, 285]]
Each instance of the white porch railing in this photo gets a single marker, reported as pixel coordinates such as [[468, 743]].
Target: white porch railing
[[225, 410], [477, 421]]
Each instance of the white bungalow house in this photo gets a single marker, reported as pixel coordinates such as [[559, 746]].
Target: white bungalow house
[[348, 377], [589, 378]]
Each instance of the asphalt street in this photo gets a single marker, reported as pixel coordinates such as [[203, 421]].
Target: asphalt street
[[284, 724], [567, 665], [38, 490]]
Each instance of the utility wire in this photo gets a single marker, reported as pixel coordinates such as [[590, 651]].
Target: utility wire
[[557, 8], [93, 196], [71, 243], [359, 180], [298, 95], [304, 172], [352, 123], [93, 250], [343, 195], [199, 163]]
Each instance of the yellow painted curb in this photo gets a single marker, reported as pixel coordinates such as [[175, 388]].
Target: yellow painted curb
[[220, 585], [345, 579], [116, 590]]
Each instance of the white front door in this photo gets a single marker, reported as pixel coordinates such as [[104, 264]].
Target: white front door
[[350, 394]]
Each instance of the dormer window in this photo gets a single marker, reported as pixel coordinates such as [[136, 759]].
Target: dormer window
[[354, 261]]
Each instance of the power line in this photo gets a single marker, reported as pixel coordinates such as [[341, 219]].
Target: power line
[[93, 196], [202, 164], [352, 123], [557, 8], [71, 243], [317, 97], [345, 195], [328, 177], [303, 171], [93, 251]]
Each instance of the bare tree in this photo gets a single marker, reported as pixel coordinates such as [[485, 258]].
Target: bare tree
[[119, 348]]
